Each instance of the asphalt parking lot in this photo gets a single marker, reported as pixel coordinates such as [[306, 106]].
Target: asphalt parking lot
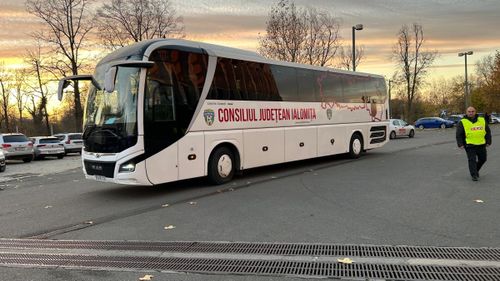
[[414, 192], [17, 169]]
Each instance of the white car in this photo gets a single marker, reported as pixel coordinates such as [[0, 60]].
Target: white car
[[47, 146], [72, 142], [2, 161], [398, 127], [16, 146], [494, 119]]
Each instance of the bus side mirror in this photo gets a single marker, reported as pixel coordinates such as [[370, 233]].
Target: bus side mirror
[[63, 83], [109, 79]]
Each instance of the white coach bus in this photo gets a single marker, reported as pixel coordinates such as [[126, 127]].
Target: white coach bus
[[165, 110]]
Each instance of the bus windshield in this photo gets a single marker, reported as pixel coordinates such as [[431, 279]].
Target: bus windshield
[[111, 118]]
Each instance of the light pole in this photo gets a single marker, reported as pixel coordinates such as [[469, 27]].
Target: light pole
[[466, 79], [390, 82], [354, 28]]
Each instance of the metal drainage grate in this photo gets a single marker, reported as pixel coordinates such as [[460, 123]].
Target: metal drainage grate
[[258, 267], [290, 249]]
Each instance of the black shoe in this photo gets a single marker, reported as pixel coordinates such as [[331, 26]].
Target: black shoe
[[474, 178]]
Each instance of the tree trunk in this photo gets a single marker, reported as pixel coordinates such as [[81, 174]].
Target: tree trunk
[[5, 106]]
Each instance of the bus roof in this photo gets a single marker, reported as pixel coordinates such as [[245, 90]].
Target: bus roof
[[143, 49]]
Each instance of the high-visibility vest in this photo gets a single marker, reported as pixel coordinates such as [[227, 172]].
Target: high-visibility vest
[[474, 132]]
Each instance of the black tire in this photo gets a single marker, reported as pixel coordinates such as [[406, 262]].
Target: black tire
[[60, 156], [2, 168], [411, 134], [443, 126], [221, 165], [356, 146], [421, 127], [27, 160], [392, 135]]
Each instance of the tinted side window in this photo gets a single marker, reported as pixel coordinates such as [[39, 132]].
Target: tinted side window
[[354, 89], [75, 137], [375, 89], [286, 81], [243, 80], [331, 86], [174, 84], [307, 86], [230, 81]]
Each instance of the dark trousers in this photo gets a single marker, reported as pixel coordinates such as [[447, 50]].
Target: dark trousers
[[476, 154]]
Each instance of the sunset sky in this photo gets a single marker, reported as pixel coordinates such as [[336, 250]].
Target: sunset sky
[[450, 26]]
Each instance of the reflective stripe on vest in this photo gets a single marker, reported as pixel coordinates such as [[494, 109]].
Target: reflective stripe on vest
[[474, 132]]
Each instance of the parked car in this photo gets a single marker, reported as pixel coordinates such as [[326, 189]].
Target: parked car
[[433, 122], [398, 127], [3, 165], [47, 146], [494, 119], [16, 146], [455, 118], [72, 142]]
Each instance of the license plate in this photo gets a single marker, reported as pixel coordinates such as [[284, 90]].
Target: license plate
[[100, 178], [19, 148]]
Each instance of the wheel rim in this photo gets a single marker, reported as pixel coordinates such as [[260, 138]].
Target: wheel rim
[[356, 146], [224, 166], [393, 135], [421, 126], [443, 126], [412, 133]]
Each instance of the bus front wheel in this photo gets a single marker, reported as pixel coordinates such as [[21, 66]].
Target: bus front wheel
[[355, 146], [221, 165]]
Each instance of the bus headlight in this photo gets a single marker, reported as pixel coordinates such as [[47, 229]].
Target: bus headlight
[[127, 167]]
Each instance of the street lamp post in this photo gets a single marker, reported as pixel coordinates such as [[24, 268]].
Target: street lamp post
[[390, 82], [354, 28], [466, 78]]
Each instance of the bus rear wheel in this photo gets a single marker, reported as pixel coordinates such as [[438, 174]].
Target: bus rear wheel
[[221, 165], [355, 146]]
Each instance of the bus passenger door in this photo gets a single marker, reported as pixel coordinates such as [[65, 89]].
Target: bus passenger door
[[191, 156], [162, 167]]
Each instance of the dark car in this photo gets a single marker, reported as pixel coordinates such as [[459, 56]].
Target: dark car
[[433, 122]]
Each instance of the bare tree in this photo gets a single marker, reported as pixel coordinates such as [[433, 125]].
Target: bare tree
[[68, 25], [122, 22], [322, 41], [412, 60], [285, 32], [35, 60], [300, 35], [5, 87], [345, 56], [20, 87], [485, 68]]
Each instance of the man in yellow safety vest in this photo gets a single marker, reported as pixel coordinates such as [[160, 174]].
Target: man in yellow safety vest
[[474, 135]]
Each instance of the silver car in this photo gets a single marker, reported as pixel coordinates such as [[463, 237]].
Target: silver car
[[47, 146], [16, 146]]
